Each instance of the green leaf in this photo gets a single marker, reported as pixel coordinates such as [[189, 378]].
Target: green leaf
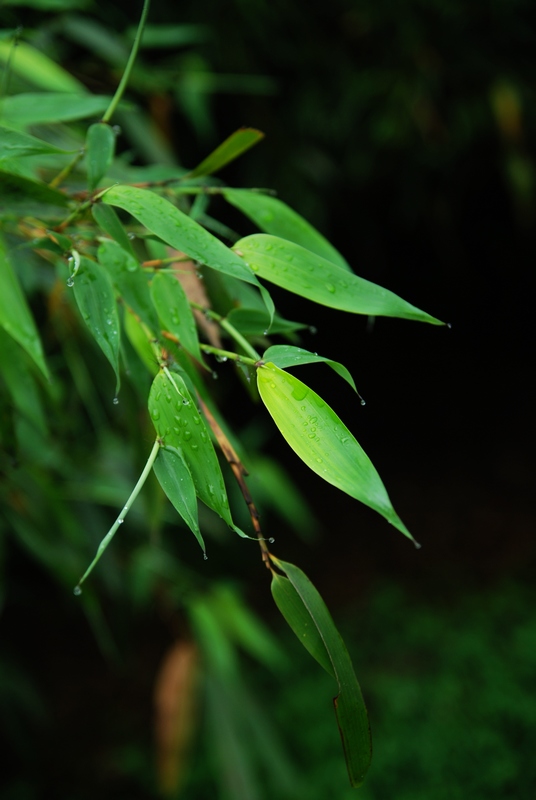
[[15, 315], [15, 144], [285, 355], [273, 216], [322, 440], [176, 481], [96, 300], [39, 108], [175, 313], [306, 613], [183, 233], [236, 144], [297, 270], [138, 336], [20, 197], [130, 281], [252, 322], [109, 222], [21, 384], [38, 69], [179, 425], [100, 148], [172, 35]]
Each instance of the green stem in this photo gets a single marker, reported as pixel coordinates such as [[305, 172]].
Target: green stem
[[66, 171], [130, 63], [230, 329], [216, 351], [121, 518]]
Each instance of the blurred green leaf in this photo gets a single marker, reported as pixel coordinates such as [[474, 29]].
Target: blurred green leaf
[[285, 355], [107, 219], [20, 197], [15, 315], [15, 144], [322, 440], [275, 217], [100, 147], [176, 481], [96, 300], [21, 384], [38, 108], [234, 146], [38, 69], [297, 270], [179, 425], [309, 618], [172, 35], [175, 313], [252, 322]]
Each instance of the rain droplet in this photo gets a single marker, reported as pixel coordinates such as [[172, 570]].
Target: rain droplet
[[265, 333], [187, 435], [185, 402], [271, 540], [205, 557], [449, 326], [363, 402], [330, 287], [215, 376], [155, 413], [77, 591], [131, 235], [312, 329], [115, 401], [120, 521], [70, 282]]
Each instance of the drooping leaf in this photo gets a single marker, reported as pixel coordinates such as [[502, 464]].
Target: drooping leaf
[[15, 315], [176, 481], [237, 143], [273, 216], [129, 280], [175, 313], [179, 424], [39, 108], [15, 144], [322, 440], [309, 618], [183, 233], [100, 148], [21, 197], [298, 270], [252, 322], [95, 297], [107, 219], [286, 355], [38, 69]]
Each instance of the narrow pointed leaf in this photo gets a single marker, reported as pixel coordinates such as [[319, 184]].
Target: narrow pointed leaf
[[96, 300], [273, 216], [15, 144], [285, 355], [100, 147], [179, 425], [109, 222], [252, 322], [183, 233], [322, 440], [298, 270], [38, 108], [130, 281], [176, 481], [175, 313], [309, 618], [15, 315], [38, 69], [237, 143]]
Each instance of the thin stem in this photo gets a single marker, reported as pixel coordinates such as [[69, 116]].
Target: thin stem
[[216, 351], [121, 518], [66, 171], [130, 63], [231, 330]]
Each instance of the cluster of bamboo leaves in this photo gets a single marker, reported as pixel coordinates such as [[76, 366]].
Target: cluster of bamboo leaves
[[118, 241]]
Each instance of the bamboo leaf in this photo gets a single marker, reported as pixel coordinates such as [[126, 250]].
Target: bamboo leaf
[[306, 613], [37, 68], [298, 270], [175, 313], [175, 479], [39, 108], [252, 322], [183, 233], [322, 440], [130, 281], [179, 425], [96, 300], [15, 144], [234, 146], [15, 315], [285, 355], [109, 222], [273, 216], [100, 147], [20, 197]]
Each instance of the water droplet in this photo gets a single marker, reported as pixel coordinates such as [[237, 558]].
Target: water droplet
[[205, 557], [363, 402], [187, 435], [195, 446], [185, 402], [312, 329], [265, 333], [254, 267], [115, 401], [131, 235], [120, 521], [215, 376], [77, 591], [319, 460], [70, 282], [155, 413], [417, 545], [330, 287], [116, 129], [271, 540], [449, 325]]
